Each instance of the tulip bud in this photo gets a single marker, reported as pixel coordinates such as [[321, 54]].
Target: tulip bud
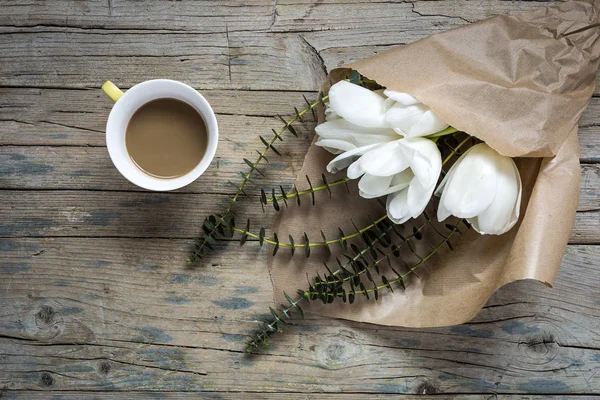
[[484, 187]]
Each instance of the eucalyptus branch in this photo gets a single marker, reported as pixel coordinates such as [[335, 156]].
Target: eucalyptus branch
[[313, 294], [214, 225], [307, 245], [296, 194], [328, 288]]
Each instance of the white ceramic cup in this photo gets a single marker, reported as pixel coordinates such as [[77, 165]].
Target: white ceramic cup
[[126, 104]]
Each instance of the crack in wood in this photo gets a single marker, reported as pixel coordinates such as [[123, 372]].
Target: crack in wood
[[228, 52]]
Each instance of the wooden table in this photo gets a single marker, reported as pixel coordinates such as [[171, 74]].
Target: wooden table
[[96, 298]]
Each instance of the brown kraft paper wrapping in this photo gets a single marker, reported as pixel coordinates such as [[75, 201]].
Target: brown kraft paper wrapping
[[519, 83]]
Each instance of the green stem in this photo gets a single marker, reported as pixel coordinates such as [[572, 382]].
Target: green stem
[[316, 244], [448, 131], [308, 191]]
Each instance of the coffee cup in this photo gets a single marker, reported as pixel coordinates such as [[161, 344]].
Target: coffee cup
[[125, 107]]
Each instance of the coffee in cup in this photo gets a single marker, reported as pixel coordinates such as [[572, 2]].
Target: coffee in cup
[[161, 134]]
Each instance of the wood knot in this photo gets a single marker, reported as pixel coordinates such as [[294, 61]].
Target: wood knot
[[541, 344], [427, 388], [46, 315], [335, 351], [47, 379], [105, 368]]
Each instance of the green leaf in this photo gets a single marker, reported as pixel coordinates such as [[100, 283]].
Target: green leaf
[[276, 316], [354, 77], [293, 248], [275, 203], [276, 240], [298, 115], [297, 195], [249, 163], [386, 283], [263, 196], [363, 289], [417, 234], [326, 184], [325, 242], [312, 110], [288, 126], [312, 190], [283, 195], [342, 239], [306, 246], [261, 156], [277, 135]]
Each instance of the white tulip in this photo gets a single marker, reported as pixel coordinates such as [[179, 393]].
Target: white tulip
[[405, 169], [408, 117], [365, 127], [357, 105], [484, 187], [339, 135]]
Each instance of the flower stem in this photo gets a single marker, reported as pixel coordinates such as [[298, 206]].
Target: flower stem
[[448, 131], [315, 244], [308, 191]]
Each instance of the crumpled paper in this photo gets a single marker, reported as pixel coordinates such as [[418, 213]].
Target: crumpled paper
[[520, 83]]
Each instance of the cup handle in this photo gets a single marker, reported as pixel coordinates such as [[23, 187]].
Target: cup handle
[[112, 90]]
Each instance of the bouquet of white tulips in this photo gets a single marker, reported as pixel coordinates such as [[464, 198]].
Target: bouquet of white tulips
[[454, 132], [387, 139]]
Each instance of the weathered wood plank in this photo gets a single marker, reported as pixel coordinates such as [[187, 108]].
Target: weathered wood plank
[[166, 215], [84, 168], [78, 117], [76, 395], [220, 60], [292, 45], [151, 324], [194, 16]]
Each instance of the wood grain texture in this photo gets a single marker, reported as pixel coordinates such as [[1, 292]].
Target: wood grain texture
[[75, 395], [96, 299], [102, 314]]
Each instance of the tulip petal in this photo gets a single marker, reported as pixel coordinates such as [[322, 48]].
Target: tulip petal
[[357, 105], [330, 115], [472, 186], [335, 146], [417, 197], [345, 159], [442, 212], [357, 135], [396, 206], [403, 118], [399, 182], [355, 170], [439, 190], [402, 98], [429, 123], [424, 158], [374, 186], [386, 160], [498, 218]]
